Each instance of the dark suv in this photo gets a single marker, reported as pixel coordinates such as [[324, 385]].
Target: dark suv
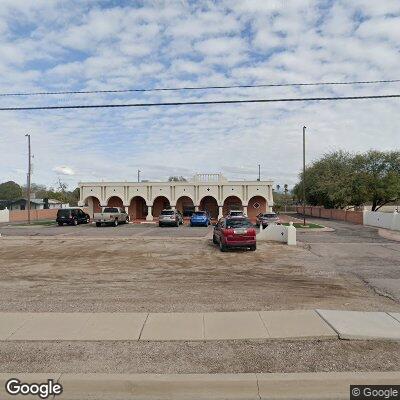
[[72, 216]]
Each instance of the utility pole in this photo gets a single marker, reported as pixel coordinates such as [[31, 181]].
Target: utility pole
[[138, 175], [304, 176], [259, 172], [29, 177]]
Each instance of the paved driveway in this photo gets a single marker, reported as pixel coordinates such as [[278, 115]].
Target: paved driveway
[[360, 251]]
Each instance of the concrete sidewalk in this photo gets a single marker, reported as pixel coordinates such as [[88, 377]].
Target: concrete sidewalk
[[293, 324], [319, 385]]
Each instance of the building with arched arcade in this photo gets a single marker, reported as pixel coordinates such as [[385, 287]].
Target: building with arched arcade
[[211, 192]]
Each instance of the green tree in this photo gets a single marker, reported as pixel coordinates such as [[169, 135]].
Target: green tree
[[10, 191], [177, 179], [328, 181], [344, 180], [378, 177], [38, 190]]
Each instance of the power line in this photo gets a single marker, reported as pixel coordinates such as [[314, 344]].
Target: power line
[[185, 103], [199, 88]]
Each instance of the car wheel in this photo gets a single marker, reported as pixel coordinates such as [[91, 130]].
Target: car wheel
[[160, 225], [253, 248], [222, 247], [88, 220], [75, 223], [214, 240], [60, 224], [98, 224], [116, 222]]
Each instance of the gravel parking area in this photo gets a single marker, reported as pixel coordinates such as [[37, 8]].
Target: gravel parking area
[[165, 269]]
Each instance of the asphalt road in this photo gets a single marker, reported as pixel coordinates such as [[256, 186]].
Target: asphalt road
[[360, 251]]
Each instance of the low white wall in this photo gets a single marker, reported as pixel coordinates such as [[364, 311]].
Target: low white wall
[[382, 220], [278, 233], [5, 215]]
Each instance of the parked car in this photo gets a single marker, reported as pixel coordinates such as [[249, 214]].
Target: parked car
[[72, 216], [111, 216], [236, 213], [200, 218], [266, 219], [234, 232], [169, 217]]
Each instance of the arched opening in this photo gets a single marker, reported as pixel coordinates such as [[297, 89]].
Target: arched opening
[[93, 205], [232, 203], [159, 204], [137, 208], [185, 205], [256, 205], [115, 201], [209, 204]]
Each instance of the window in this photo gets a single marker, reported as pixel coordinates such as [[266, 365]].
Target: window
[[238, 223], [110, 210], [167, 212]]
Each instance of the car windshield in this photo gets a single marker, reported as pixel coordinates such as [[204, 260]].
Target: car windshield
[[202, 213], [110, 210], [238, 223], [167, 212], [63, 213], [269, 215]]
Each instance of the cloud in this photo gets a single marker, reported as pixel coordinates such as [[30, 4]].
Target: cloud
[[64, 170], [75, 45]]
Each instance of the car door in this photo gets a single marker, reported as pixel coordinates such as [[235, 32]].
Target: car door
[[81, 216]]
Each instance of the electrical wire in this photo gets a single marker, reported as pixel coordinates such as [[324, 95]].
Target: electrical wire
[[199, 88], [184, 103]]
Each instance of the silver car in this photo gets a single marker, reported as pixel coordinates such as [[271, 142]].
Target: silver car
[[266, 219], [169, 217]]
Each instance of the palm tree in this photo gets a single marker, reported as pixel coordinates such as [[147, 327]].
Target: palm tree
[[285, 189]]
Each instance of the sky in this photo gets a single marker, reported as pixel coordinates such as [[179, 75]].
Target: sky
[[51, 45]]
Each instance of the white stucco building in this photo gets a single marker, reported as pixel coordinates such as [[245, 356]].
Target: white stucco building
[[212, 192]]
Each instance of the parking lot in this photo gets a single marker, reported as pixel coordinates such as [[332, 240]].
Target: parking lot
[[143, 267], [150, 269], [90, 230]]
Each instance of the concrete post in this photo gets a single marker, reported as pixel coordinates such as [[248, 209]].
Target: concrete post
[[245, 210], [220, 214], [196, 208], [291, 234], [149, 216]]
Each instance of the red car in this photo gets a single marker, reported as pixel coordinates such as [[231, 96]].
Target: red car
[[235, 232]]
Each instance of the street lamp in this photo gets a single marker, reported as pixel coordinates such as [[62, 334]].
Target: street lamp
[[138, 175]]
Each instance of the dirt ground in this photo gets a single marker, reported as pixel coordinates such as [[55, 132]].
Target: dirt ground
[[200, 357], [140, 268], [172, 274]]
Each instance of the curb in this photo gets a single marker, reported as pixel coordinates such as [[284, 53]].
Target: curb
[[317, 385]]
